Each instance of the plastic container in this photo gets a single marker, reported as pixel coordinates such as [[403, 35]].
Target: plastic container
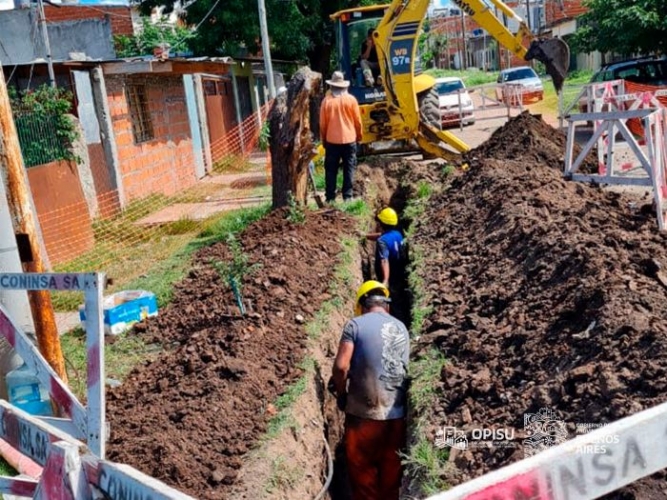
[[26, 392], [123, 309]]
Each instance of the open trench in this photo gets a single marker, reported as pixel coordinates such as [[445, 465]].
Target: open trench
[[314, 465]]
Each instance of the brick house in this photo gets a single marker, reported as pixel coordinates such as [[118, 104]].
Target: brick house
[[546, 17], [142, 125], [153, 116]]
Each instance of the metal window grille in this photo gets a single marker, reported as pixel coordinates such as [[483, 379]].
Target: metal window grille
[[142, 126]]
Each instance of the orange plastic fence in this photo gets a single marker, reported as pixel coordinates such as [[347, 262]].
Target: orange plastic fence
[[635, 124], [115, 241]]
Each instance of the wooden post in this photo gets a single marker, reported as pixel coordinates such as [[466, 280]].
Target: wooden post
[[292, 143], [20, 207]]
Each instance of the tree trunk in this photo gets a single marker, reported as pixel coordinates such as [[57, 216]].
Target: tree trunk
[[320, 58], [293, 121]]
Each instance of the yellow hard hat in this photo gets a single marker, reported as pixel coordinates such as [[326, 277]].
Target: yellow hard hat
[[388, 216], [364, 289]]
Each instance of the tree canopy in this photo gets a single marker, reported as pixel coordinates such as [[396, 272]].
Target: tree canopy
[[151, 35], [623, 27], [299, 29]]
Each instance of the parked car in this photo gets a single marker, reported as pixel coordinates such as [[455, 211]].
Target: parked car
[[645, 70], [455, 103], [525, 76]]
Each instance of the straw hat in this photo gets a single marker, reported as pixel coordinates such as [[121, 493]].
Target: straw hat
[[338, 80]]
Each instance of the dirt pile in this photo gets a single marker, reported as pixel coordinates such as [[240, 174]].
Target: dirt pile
[[529, 139], [546, 294], [189, 417]]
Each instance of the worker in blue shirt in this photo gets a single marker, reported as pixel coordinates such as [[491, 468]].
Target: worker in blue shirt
[[390, 258]]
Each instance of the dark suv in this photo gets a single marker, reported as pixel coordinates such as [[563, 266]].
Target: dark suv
[[647, 71]]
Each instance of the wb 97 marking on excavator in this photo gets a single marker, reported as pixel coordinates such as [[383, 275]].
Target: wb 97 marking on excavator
[[399, 104]]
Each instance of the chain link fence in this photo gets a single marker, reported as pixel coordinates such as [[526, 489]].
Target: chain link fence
[[150, 235]]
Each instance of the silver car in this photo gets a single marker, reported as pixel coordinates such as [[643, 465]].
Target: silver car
[[455, 103], [524, 76]]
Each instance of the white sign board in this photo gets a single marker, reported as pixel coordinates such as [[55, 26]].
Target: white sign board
[[583, 468]]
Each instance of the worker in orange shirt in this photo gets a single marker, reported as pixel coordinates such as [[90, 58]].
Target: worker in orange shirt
[[340, 130]]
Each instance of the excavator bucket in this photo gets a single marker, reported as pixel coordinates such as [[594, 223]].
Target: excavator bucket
[[554, 53]]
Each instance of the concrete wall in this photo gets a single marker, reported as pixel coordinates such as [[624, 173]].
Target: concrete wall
[[164, 164], [21, 43]]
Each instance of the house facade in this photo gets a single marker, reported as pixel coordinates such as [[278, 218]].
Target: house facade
[[468, 45]]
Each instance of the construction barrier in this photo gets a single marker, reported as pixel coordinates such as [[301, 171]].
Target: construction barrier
[[72, 469], [641, 122], [583, 468]]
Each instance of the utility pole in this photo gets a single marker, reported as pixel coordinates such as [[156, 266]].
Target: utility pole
[[25, 227], [47, 43], [528, 15], [266, 49], [464, 52]]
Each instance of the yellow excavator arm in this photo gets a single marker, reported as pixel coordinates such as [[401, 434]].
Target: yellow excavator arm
[[552, 52], [396, 44]]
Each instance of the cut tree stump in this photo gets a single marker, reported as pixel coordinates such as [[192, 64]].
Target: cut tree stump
[[293, 121]]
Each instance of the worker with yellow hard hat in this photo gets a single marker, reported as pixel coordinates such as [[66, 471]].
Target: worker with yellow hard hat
[[370, 381], [390, 250]]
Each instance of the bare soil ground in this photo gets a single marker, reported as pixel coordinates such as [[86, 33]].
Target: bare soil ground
[[546, 294], [189, 417]]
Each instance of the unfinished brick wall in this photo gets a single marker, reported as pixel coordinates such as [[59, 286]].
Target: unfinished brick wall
[[164, 164], [571, 9], [119, 16]]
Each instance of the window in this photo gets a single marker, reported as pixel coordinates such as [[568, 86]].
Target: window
[[518, 74], [448, 87], [142, 126]]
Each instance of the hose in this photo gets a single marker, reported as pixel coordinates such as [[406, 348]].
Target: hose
[[330, 467]]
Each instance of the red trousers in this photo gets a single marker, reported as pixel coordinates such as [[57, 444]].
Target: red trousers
[[373, 462]]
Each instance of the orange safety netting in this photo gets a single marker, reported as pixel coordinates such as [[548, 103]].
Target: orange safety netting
[[91, 232], [635, 124]]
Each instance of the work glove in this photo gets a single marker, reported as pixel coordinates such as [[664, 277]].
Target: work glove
[[331, 387]]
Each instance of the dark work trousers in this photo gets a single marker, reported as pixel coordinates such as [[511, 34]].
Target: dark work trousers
[[334, 155]]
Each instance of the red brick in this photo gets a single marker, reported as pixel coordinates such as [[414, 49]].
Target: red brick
[[120, 17]]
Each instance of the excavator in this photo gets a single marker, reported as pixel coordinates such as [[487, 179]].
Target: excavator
[[400, 110]]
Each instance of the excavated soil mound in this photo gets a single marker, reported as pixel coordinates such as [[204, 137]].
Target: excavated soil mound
[[546, 294], [189, 417], [529, 139]]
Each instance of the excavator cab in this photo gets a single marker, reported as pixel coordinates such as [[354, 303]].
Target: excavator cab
[[399, 105], [384, 129], [352, 27]]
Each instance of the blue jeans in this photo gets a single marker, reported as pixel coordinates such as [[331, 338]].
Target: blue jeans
[[334, 155]]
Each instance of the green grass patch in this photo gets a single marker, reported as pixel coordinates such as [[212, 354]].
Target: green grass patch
[[425, 467], [470, 77], [6, 469], [126, 351], [284, 419], [283, 475], [234, 222], [342, 282], [232, 163], [425, 374], [119, 358], [183, 225], [155, 264]]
